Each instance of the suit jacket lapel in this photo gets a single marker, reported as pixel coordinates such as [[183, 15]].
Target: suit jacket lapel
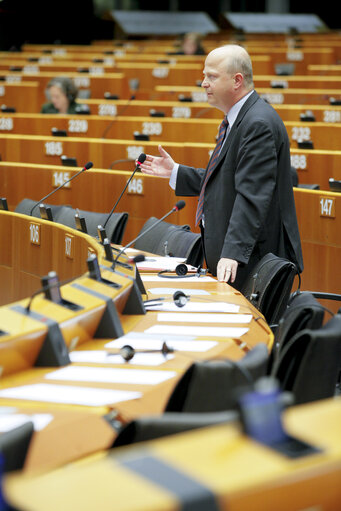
[[248, 103]]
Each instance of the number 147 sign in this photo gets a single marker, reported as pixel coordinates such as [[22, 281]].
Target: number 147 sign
[[327, 207]]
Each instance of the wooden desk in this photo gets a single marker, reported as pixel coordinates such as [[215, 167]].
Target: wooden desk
[[274, 96], [23, 96], [78, 329], [164, 129], [319, 220], [115, 83], [324, 70], [96, 190], [219, 465], [103, 153]]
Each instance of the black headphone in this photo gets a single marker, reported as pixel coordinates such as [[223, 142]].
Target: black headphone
[[127, 352], [181, 271], [179, 299], [66, 85]]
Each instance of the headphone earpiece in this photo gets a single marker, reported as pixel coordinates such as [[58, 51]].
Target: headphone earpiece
[[180, 299], [181, 269]]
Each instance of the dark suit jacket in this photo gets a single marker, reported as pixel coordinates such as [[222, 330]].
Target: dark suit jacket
[[249, 204]]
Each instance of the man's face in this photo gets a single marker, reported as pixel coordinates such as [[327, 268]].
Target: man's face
[[218, 84]]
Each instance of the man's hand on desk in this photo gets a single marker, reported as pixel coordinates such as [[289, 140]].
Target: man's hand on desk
[[158, 165], [227, 270]]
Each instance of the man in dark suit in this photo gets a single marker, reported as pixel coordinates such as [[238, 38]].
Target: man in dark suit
[[246, 204]]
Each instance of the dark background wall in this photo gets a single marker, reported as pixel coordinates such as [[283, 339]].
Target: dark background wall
[[75, 22]]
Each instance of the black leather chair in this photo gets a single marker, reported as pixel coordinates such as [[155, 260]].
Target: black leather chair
[[26, 205], [303, 311], [213, 385], [173, 240], [269, 285], [151, 427], [65, 215], [115, 227], [14, 445], [309, 363]]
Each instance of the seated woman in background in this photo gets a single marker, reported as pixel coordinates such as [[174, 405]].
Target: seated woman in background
[[191, 45], [61, 93]]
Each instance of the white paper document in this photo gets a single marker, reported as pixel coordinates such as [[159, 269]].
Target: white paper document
[[162, 263], [204, 318], [194, 307], [142, 341], [155, 278], [111, 375], [14, 420], [171, 291], [68, 394], [105, 357], [206, 331]]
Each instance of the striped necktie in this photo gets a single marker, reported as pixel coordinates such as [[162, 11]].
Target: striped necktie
[[216, 152]]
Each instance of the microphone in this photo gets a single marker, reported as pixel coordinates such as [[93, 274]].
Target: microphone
[[87, 166], [124, 107], [140, 160], [179, 205]]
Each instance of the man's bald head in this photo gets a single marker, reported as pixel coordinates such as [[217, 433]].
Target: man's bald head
[[235, 59]]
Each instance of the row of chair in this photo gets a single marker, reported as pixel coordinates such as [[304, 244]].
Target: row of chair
[[165, 239], [305, 362]]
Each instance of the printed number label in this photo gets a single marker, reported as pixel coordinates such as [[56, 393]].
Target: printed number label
[[78, 126], [160, 72], [6, 123], [35, 234], [134, 151], [332, 116], [296, 56], [181, 112], [275, 99], [58, 178], [299, 161], [53, 148], [82, 81], [104, 109], [300, 133], [327, 207], [151, 128], [96, 70], [199, 97], [69, 246], [136, 186]]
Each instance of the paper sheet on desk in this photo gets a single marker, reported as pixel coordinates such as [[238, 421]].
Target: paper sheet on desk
[[69, 394], [163, 263], [206, 331], [171, 291], [14, 420], [155, 278], [142, 341], [111, 375], [194, 317], [194, 307], [104, 357]]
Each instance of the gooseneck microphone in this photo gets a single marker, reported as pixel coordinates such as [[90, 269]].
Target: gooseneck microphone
[[179, 205], [140, 160], [87, 166]]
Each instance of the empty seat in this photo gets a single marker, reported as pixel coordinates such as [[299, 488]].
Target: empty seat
[[173, 240]]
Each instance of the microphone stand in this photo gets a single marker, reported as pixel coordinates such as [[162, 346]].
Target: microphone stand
[[86, 167]]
